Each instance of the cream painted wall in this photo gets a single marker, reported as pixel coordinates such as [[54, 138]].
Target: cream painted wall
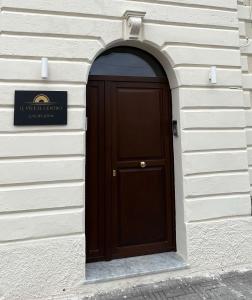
[[245, 19], [42, 205]]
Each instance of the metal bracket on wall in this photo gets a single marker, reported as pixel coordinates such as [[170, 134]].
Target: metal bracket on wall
[[175, 128]]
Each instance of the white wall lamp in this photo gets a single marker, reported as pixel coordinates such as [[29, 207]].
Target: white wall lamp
[[44, 67], [213, 75]]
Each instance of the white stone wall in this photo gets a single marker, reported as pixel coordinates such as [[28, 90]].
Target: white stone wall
[[42, 236], [245, 25]]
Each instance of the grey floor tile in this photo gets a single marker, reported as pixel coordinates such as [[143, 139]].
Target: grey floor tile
[[232, 286]]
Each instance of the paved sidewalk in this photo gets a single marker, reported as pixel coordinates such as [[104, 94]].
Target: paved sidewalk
[[230, 286]]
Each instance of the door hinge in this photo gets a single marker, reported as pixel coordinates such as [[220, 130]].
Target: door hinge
[[114, 173]]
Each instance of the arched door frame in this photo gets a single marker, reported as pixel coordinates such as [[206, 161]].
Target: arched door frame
[[172, 76]]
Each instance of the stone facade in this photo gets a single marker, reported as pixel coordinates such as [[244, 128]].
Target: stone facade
[[42, 201]]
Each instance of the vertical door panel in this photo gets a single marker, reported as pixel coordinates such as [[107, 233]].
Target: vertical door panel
[[142, 199], [95, 230]]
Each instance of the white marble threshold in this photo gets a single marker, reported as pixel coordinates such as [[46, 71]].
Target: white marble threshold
[[133, 266]]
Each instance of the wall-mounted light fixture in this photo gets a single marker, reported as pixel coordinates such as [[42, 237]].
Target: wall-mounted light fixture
[[213, 75], [44, 67]]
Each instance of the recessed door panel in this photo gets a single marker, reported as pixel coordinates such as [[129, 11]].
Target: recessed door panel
[[141, 206], [139, 123]]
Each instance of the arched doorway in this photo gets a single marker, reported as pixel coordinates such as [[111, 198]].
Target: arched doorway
[[129, 167]]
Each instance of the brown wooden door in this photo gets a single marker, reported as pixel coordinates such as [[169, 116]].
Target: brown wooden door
[[129, 191]]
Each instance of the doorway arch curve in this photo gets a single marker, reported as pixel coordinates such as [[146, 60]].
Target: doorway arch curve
[[127, 61], [129, 169], [148, 46]]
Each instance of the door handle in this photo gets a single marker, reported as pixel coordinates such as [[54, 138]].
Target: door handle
[[143, 164]]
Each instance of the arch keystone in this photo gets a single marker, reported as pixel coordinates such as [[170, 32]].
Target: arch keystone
[[133, 24]]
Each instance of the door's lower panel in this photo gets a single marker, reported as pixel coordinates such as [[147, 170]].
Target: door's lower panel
[[140, 210]]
